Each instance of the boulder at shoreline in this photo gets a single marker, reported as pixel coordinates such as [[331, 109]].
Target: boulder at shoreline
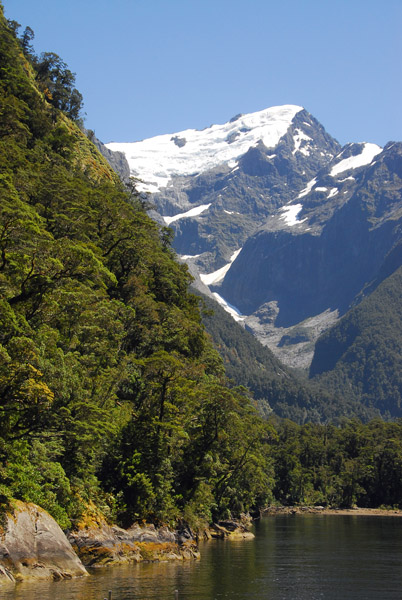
[[33, 546]]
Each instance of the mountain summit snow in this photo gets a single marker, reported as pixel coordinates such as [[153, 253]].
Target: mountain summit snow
[[156, 161], [217, 186]]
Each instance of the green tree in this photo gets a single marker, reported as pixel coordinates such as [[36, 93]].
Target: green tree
[[57, 82]]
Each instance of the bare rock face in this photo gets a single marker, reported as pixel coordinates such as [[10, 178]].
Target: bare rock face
[[109, 545], [116, 160], [32, 546]]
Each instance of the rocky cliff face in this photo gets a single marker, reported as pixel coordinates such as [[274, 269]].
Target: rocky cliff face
[[313, 258], [33, 547], [111, 545], [117, 160]]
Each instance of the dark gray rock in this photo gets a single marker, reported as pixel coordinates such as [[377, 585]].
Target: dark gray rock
[[325, 261], [116, 160]]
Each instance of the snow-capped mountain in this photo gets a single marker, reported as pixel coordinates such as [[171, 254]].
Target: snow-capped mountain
[[316, 255], [158, 161], [215, 187], [283, 226]]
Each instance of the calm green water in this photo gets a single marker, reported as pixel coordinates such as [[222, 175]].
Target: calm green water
[[302, 557]]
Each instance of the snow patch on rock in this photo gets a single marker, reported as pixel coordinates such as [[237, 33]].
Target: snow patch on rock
[[308, 188], [369, 151], [232, 310], [217, 276], [193, 212], [290, 214], [298, 138], [333, 192]]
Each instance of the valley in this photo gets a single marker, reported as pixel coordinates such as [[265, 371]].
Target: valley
[[279, 224]]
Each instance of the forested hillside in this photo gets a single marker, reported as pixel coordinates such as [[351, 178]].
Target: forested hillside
[[361, 356], [342, 466], [111, 392]]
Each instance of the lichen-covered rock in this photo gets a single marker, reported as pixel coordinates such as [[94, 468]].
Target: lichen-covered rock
[[32, 545], [107, 545]]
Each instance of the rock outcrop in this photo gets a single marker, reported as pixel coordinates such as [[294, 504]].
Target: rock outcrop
[[117, 160], [108, 545], [229, 529], [32, 546]]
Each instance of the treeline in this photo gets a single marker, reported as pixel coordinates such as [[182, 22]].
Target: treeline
[[352, 464], [112, 398], [52, 75]]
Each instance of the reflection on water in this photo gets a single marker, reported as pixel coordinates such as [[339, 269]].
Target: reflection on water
[[302, 557]]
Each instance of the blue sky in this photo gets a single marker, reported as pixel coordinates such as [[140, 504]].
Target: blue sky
[[147, 67]]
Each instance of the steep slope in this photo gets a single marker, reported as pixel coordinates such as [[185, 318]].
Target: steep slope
[[311, 260], [215, 187], [275, 388], [161, 159], [113, 400], [117, 160], [361, 356], [246, 361]]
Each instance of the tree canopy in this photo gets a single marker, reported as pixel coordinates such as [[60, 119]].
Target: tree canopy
[[110, 389]]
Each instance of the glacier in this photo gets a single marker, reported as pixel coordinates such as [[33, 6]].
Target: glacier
[[158, 159]]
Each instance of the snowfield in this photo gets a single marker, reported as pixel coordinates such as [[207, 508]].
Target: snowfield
[[156, 160], [193, 212], [216, 276], [369, 151], [290, 214]]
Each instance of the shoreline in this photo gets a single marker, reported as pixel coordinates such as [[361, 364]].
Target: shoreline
[[319, 510]]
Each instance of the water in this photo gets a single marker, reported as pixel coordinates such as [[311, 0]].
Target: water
[[302, 557]]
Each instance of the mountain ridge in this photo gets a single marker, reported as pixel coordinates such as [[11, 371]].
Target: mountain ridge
[[288, 238], [159, 159]]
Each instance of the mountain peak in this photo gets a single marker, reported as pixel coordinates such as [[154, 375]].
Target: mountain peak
[[158, 159]]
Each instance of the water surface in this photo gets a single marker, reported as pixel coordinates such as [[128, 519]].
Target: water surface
[[301, 557]]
